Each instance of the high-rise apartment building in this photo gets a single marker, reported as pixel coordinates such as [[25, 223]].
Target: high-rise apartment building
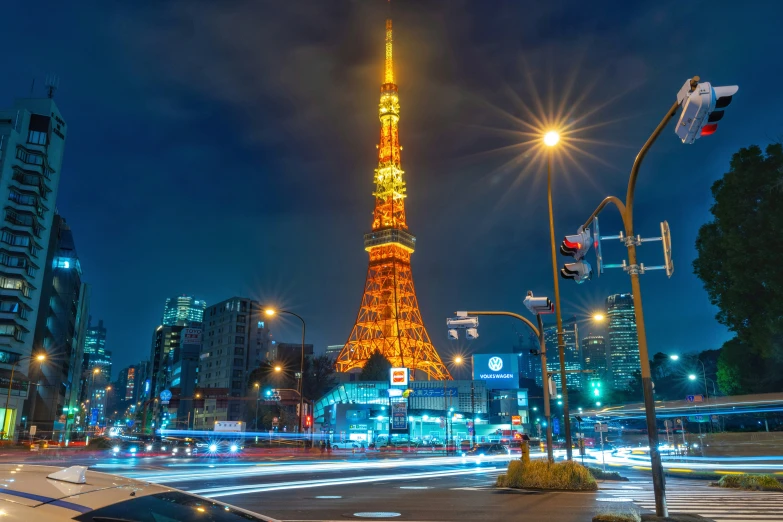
[[595, 356], [60, 330], [235, 342], [573, 355], [623, 340], [32, 142], [183, 310]]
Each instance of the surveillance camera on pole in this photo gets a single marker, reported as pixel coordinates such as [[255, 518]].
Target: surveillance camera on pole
[[577, 246], [702, 108], [465, 322]]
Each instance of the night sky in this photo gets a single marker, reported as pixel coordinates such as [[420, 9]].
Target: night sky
[[227, 148]]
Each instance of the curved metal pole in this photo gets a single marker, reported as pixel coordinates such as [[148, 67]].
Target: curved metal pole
[[628, 214], [610, 199], [539, 331], [301, 369]]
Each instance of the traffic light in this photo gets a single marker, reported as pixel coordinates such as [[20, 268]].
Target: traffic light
[[595, 388], [577, 246], [539, 305], [702, 108], [308, 421]]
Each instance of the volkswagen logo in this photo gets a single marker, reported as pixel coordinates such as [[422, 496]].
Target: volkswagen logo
[[495, 364]]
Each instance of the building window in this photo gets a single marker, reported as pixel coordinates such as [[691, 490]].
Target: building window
[[9, 357], [241, 318], [36, 137], [15, 240], [238, 362], [239, 340], [10, 330], [260, 324], [28, 157], [240, 329], [22, 199]]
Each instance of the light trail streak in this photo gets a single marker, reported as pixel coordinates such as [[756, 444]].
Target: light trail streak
[[217, 472], [261, 488]]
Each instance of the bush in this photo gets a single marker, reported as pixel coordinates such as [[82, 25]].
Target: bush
[[600, 474], [752, 482], [541, 474]]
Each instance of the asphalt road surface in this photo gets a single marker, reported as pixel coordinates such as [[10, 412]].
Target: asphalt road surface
[[419, 490]]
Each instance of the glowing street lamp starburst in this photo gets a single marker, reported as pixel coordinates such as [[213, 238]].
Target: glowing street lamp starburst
[[551, 138]]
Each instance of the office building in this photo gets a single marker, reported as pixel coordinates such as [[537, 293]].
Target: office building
[[290, 354], [573, 355], [165, 341], [623, 340], [95, 353], [235, 341], [333, 350], [183, 310], [32, 142], [60, 329], [595, 356]]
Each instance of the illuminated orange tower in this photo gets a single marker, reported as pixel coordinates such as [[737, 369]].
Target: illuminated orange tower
[[389, 320]]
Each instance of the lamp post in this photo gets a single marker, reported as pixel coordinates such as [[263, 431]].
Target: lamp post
[[551, 139], [270, 312], [40, 358], [458, 360]]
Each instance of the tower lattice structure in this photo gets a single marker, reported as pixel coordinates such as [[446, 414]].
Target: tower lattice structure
[[389, 320]]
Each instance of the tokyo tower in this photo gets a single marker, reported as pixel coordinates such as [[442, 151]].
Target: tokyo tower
[[389, 320]]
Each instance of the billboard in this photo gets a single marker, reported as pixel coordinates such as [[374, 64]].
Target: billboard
[[398, 376], [399, 415], [191, 336], [500, 371]]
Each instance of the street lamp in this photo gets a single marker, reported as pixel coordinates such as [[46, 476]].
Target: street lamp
[[599, 317], [278, 368], [551, 139], [270, 312], [674, 357], [692, 377], [40, 358]]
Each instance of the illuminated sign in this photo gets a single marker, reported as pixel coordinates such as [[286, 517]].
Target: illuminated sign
[[191, 336], [394, 392], [398, 376], [500, 371], [516, 420]]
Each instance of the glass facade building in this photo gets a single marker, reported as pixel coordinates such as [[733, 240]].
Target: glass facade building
[[623, 340], [183, 310], [595, 356]]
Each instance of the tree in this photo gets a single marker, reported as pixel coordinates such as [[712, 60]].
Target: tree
[[319, 376], [376, 368], [737, 260]]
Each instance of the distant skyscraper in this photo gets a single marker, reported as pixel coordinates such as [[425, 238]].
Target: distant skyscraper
[[573, 354], [165, 341], [333, 350], [183, 310], [95, 353], [595, 356], [32, 142], [623, 340]]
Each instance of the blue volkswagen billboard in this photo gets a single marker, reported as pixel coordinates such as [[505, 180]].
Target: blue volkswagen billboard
[[499, 370]]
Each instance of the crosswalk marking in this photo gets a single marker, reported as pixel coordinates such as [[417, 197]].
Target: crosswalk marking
[[719, 504]]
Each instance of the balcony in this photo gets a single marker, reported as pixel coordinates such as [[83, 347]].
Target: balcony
[[33, 179]]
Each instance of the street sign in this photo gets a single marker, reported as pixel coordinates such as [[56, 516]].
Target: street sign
[[694, 398], [601, 428], [165, 396], [516, 420], [33, 429]]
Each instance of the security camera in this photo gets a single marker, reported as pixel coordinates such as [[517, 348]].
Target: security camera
[[471, 333], [453, 335]]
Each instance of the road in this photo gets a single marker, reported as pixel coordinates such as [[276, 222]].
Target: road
[[424, 489]]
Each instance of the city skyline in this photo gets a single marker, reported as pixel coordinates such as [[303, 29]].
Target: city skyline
[[449, 169]]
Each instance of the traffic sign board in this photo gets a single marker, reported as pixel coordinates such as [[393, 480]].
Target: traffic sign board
[[694, 398], [599, 427]]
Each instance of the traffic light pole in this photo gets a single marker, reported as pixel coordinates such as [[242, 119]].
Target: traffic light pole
[[560, 342], [542, 344], [626, 211]]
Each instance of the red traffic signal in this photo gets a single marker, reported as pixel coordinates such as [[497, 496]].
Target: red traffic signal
[[576, 246], [702, 108], [308, 421]]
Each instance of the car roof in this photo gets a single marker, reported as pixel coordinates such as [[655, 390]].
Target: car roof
[[30, 486]]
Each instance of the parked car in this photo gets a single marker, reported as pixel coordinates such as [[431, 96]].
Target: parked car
[[57, 494], [485, 450]]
